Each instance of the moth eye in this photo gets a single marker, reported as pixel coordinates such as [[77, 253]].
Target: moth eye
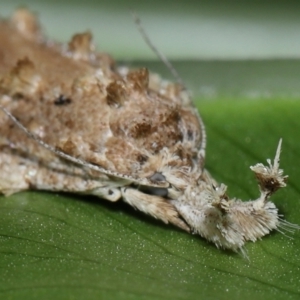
[[157, 177]]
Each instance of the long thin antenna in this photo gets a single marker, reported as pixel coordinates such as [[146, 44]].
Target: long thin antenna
[[160, 55]]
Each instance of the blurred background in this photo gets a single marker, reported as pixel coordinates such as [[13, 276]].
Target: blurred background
[[225, 45]]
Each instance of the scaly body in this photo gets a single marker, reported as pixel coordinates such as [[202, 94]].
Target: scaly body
[[115, 133]]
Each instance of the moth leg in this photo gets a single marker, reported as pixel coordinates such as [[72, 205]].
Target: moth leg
[[229, 223], [154, 206]]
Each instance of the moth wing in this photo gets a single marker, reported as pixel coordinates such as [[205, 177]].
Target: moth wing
[[127, 123]]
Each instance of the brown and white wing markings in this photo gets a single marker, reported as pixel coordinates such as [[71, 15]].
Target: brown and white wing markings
[[77, 101]]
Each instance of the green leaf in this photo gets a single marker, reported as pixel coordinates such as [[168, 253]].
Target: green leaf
[[60, 246]]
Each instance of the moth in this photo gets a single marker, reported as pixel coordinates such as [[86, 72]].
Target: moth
[[72, 120]]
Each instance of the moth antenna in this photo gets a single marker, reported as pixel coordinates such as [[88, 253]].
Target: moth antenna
[[159, 54], [53, 149]]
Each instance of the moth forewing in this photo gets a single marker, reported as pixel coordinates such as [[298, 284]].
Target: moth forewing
[[72, 120]]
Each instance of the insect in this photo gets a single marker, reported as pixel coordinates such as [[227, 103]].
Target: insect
[[72, 120]]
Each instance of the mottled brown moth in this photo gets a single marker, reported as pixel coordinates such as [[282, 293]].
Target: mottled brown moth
[[72, 120]]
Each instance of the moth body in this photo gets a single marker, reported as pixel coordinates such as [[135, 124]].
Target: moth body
[[72, 120]]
